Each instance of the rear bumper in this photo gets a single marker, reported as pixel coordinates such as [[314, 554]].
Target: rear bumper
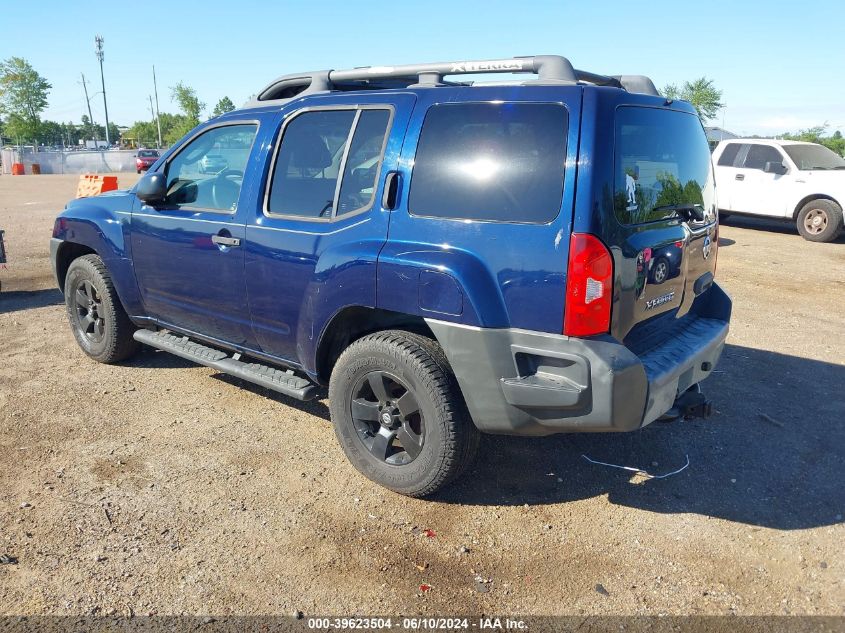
[[518, 382]]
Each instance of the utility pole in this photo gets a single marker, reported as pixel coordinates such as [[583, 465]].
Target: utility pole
[[152, 112], [158, 118], [90, 116], [99, 52]]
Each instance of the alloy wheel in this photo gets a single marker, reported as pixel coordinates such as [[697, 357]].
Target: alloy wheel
[[89, 312], [387, 418]]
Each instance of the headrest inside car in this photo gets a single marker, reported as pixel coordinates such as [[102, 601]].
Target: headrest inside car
[[309, 150]]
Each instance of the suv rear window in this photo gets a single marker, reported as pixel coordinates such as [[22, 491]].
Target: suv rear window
[[661, 159], [501, 162]]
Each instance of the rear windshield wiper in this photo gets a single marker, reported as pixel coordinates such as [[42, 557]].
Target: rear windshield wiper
[[688, 211]]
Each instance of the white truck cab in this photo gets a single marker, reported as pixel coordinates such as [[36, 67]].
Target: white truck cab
[[790, 180]]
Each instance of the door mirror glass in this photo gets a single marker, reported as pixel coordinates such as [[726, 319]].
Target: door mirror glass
[[775, 168], [152, 189]]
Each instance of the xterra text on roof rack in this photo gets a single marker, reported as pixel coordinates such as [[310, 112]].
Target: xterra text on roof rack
[[525, 258]]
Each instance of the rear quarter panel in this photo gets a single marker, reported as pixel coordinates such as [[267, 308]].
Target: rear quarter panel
[[504, 274]]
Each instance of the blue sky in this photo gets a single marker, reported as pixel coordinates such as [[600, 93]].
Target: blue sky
[[781, 65]]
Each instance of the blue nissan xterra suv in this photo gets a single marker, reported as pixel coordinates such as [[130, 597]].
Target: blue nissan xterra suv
[[448, 257]]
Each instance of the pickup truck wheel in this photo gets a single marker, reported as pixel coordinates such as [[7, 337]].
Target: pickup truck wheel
[[820, 221], [96, 316], [398, 413]]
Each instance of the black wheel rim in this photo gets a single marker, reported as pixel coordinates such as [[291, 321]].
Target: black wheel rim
[[387, 418], [89, 312]]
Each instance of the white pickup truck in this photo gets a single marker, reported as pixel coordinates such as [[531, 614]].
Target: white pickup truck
[[799, 182]]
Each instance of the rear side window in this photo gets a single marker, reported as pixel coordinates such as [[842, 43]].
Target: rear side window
[[494, 162], [759, 155], [729, 155], [661, 160], [321, 147]]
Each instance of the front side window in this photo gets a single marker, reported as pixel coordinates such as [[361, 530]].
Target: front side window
[[500, 162], [808, 156], [320, 149], [208, 171], [662, 160], [759, 155]]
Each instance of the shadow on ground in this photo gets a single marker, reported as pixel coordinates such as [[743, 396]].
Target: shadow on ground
[[16, 301], [773, 455]]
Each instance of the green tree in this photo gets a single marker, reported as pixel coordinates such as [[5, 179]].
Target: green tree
[[818, 134], [50, 133], [146, 132], [187, 100], [701, 93], [223, 106], [23, 97]]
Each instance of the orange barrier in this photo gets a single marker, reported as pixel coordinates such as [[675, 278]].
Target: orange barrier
[[17, 169], [35, 169], [94, 185]]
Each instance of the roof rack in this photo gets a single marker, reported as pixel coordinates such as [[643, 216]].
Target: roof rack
[[550, 70]]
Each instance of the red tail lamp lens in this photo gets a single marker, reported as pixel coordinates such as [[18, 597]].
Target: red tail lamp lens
[[589, 287]]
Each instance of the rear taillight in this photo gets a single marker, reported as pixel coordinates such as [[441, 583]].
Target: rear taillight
[[589, 287]]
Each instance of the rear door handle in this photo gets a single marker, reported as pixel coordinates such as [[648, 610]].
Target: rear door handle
[[740, 176], [222, 240]]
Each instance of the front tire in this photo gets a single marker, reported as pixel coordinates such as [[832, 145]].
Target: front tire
[[820, 221], [399, 415], [97, 318]]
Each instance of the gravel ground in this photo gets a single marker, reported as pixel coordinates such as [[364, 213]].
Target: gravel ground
[[162, 487]]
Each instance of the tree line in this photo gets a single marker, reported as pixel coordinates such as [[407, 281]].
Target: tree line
[[24, 97]]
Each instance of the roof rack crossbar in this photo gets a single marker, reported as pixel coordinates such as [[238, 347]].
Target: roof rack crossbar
[[550, 69], [546, 67]]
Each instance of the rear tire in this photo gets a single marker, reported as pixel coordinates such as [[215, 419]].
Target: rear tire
[[394, 388], [99, 323], [820, 221]]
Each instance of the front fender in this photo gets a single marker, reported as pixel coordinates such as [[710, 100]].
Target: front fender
[[101, 224]]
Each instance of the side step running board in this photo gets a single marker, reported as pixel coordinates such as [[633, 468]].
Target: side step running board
[[285, 382]]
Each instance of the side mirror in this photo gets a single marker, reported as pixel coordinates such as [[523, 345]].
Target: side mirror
[[775, 168], [152, 189]]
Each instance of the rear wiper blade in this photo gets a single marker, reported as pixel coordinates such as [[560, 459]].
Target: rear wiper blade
[[688, 211]]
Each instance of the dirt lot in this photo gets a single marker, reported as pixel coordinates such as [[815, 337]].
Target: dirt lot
[[160, 487]]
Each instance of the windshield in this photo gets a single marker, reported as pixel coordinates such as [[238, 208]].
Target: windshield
[[148, 153], [812, 156]]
